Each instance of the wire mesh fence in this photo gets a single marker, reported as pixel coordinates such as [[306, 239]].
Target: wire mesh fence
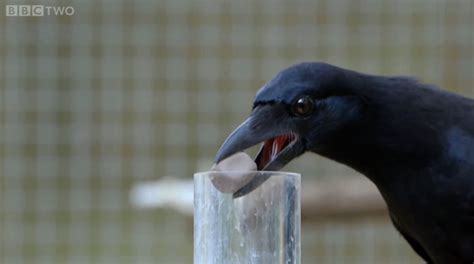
[[122, 92]]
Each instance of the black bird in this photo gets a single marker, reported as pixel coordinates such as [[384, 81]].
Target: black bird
[[413, 140]]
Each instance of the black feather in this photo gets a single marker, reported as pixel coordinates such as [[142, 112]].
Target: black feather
[[413, 140]]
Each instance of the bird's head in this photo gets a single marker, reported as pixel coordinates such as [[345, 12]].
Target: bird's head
[[303, 108]]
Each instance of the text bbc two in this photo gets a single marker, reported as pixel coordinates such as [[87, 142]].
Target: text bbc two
[[38, 10]]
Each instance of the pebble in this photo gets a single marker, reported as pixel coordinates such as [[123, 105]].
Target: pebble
[[233, 173]]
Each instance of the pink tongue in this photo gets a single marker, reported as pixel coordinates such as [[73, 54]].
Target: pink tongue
[[279, 144], [271, 148]]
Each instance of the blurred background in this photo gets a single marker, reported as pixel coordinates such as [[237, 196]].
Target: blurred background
[[125, 92]]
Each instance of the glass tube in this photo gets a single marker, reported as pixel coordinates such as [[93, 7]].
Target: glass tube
[[260, 227]]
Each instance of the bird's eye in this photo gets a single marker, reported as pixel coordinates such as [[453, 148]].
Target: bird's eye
[[303, 106]]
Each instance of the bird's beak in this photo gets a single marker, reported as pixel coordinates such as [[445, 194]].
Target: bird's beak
[[270, 125]]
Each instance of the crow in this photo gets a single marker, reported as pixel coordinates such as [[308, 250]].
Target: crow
[[414, 141]]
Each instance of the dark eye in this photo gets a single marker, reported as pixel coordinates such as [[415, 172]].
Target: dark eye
[[303, 106]]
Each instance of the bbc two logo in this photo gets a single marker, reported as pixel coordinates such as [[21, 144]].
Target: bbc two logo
[[38, 10]]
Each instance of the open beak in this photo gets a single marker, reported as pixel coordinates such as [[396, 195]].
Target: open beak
[[268, 124]]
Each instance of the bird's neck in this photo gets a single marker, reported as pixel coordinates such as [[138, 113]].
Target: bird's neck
[[396, 133], [379, 157]]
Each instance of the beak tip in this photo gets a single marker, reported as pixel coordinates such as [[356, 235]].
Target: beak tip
[[221, 155]]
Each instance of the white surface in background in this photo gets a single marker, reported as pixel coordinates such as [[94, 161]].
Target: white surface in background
[[165, 193]]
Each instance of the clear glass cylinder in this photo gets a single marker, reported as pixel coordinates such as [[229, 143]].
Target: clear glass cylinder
[[261, 227]]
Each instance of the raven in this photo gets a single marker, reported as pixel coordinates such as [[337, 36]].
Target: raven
[[413, 140]]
